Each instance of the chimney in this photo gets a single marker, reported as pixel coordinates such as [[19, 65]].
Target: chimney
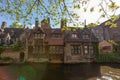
[[4, 24], [45, 23], [63, 23], [36, 22]]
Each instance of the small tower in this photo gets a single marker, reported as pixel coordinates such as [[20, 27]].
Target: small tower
[[36, 22], [4, 24], [45, 23], [63, 23]]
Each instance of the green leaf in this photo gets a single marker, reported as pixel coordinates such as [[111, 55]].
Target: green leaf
[[114, 17], [113, 25], [34, 7], [113, 6], [91, 9], [108, 23], [22, 0], [103, 15], [100, 10], [84, 9]]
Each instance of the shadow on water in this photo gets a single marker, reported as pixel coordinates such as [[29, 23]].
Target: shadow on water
[[71, 72], [45, 71]]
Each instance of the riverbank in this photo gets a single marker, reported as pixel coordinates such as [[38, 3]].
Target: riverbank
[[99, 58]]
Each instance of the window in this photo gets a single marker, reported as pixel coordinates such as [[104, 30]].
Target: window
[[91, 49], [85, 49], [56, 49], [75, 49], [56, 35], [74, 35], [40, 36], [36, 35], [52, 49], [85, 36], [37, 49]]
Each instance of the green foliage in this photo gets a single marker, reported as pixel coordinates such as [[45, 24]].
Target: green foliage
[[108, 57], [18, 46], [22, 0], [113, 6], [91, 9], [113, 42], [2, 48], [108, 23], [111, 24], [16, 25], [55, 9], [5, 58], [92, 25], [84, 9], [103, 15]]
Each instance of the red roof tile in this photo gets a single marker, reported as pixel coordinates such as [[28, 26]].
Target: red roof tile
[[56, 41]]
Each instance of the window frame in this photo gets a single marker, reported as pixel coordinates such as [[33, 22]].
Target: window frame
[[75, 49], [74, 35], [86, 36]]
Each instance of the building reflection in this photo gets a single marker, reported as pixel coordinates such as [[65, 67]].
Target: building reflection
[[72, 72]]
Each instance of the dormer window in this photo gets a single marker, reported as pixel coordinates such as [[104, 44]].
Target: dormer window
[[74, 35], [85, 36], [56, 35], [39, 36]]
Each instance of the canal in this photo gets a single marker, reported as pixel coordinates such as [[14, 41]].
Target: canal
[[45, 71]]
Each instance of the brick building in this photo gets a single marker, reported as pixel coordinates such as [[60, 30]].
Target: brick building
[[58, 46], [106, 33], [10, 36]]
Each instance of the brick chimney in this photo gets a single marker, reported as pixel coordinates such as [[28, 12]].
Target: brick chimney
[[36, 22], [4, 24], [45, 23]]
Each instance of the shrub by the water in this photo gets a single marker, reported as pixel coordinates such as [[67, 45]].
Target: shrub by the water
[[112, 57]]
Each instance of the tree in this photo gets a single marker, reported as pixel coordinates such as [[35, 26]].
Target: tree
[[55, 9], [16, 25]]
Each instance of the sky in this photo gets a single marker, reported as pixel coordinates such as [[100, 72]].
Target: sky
[[88, 16], [94, 16]]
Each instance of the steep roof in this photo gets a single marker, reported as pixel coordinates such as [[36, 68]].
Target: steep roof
[[79, 36], [109, 33], [14, 32], [54, 41]]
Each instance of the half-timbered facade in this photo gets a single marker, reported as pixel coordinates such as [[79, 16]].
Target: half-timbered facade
[[60, 46], [79, 46]]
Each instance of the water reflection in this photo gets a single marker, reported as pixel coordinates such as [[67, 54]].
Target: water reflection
[[81, 71], [72, 72], [37, 71]]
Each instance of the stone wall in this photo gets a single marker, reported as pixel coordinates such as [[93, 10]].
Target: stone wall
[[69, 58], [14, 55]]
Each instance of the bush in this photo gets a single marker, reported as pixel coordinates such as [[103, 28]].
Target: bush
[[113, 57], [15, 47], [18, 46], [2, 48], [5, 58]]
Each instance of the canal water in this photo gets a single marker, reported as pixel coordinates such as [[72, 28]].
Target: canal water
[[45, 71]]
